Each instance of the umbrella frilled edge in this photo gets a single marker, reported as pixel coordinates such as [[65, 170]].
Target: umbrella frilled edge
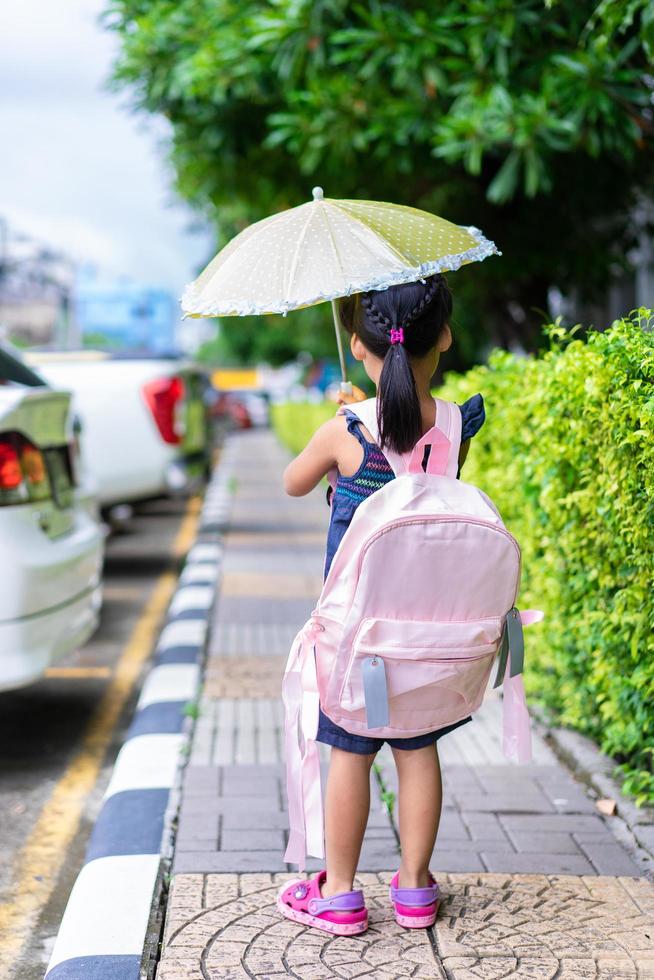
[[447, 263]]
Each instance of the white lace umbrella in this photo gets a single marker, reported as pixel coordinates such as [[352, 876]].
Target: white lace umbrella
[[326, 249]]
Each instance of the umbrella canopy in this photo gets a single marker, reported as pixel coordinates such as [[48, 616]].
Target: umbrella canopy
[[325, 249]]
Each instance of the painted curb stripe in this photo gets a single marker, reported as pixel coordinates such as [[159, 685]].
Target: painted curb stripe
[[131, 822], [187, 614], [191, 597], [163, 719], [170, 682], [179, 655], [146, 762], [97, 968], [108, 908], [104, 925], [183, 632], [196, 574], [204, 552]]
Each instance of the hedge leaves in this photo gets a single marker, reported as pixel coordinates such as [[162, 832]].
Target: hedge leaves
[[567, 454]]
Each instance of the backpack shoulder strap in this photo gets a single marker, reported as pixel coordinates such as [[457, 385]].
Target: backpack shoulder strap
[[444, 439]]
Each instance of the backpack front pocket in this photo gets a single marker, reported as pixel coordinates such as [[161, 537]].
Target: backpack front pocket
[[430, 670]]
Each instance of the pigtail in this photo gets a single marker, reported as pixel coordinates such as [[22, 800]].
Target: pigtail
[[399, 419]]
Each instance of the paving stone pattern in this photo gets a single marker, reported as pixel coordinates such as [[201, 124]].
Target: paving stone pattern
[[520, 849], [489, 926]]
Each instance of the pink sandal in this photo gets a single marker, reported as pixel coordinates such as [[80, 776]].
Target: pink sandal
[[415, 908], [343, 915]]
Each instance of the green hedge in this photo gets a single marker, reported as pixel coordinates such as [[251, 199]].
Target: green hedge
[[295, 422], [567, 455]]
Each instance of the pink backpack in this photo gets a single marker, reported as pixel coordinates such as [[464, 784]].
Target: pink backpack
[[418, 604]]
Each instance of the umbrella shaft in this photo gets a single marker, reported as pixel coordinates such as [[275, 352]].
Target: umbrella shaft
[[339, 339]]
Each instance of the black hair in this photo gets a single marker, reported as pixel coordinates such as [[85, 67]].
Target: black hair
[[422, 310]]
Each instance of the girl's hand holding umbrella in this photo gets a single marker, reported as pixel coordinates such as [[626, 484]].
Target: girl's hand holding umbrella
[[348, 397]]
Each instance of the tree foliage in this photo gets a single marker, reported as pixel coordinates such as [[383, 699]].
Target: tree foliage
[[532, 121]]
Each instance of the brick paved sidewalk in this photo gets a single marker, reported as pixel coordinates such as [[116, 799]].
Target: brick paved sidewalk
[[535, 882]]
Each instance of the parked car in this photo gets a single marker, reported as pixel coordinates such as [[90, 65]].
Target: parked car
[[241, 409], [229, 409], [51, 542], [145, 422]]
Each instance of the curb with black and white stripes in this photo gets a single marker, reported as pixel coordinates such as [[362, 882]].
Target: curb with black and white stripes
[[105, 925]]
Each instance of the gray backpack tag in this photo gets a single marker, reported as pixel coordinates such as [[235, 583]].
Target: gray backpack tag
[[516, 642], [375, 692], [512, 646]]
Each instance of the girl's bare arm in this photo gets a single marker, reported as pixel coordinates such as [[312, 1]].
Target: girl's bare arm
[[316, 460]]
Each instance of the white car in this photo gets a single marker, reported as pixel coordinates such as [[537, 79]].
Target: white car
[[51, 543], [144, 421]]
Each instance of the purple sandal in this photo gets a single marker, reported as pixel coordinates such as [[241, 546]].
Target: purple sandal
[[415, 908], [343, 915]]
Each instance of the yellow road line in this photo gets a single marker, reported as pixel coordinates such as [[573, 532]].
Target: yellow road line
[[76, 673], [188, 528], [44, 852]]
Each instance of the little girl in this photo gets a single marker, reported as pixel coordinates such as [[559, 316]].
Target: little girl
[[398, 334]]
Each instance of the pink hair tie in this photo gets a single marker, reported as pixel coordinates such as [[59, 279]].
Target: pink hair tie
[[397, 336]]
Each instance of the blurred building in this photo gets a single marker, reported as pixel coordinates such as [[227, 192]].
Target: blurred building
[[47, 300], [124, 315], [36, 285]]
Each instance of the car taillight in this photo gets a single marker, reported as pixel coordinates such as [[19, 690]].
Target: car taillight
[[11, 475], [163, 398], [33, 465], [23, 473]]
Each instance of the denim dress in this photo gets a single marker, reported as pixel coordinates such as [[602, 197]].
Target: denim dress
[[350, 491]]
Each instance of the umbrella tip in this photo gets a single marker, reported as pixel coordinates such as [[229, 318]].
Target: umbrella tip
[[318, 193]]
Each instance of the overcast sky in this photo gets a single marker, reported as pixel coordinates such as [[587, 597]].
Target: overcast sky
[[76, 169]]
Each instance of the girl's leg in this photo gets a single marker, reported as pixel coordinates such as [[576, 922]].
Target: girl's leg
[[420, 798], [347, 806]]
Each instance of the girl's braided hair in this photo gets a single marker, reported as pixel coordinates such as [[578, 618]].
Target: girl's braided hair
[[422, 311]]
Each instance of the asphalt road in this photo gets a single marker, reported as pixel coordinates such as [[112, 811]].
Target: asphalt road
[[59, 738]]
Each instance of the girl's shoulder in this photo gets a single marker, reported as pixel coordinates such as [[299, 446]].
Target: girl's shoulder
[[473, 415]]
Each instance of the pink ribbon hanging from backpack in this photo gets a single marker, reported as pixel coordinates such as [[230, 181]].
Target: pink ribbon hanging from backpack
[[301, 706], [516, 726]]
